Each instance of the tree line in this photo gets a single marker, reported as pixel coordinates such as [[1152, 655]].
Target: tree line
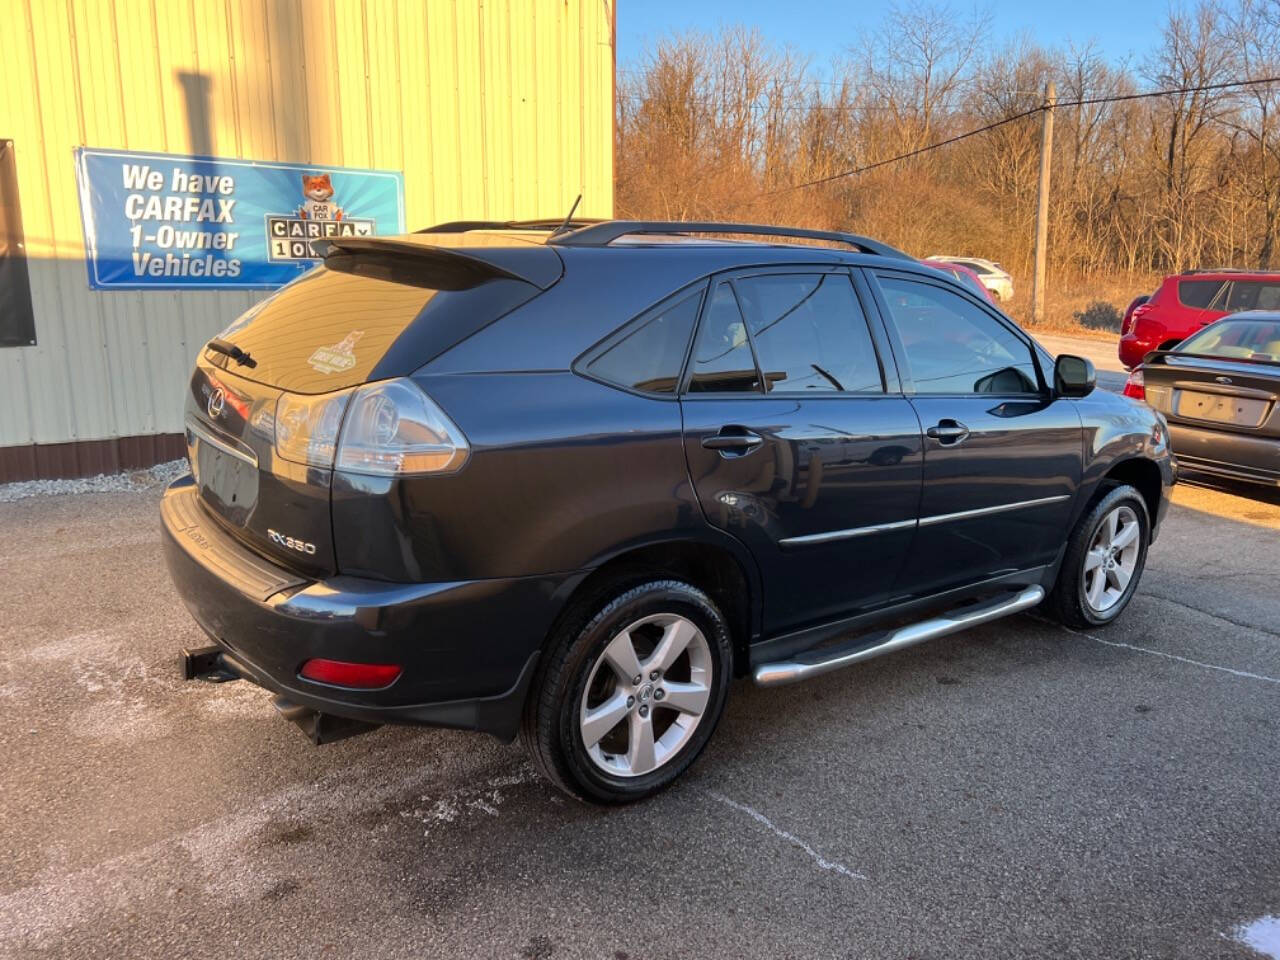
[[724, 126]]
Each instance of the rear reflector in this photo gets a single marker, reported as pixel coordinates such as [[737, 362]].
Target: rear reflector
[[360, 676], [1135, 386]]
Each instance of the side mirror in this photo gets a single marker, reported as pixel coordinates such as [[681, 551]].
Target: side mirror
[[1073, 376]]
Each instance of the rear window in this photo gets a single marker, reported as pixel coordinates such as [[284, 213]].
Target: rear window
[[649, 353], [1241, 339], [370, 318], [1198, 294]]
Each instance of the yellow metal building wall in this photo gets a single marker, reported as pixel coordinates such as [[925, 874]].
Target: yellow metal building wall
[[491, 108]]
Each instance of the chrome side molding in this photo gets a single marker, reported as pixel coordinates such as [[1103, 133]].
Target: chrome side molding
[[803, 666], [830, 535]]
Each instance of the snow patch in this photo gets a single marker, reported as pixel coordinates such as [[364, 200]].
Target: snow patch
[[1262, 936]]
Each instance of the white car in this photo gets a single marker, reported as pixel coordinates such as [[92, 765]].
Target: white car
[[994, 277]]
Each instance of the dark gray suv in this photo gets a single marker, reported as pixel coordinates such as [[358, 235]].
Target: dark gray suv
[[567, 482]]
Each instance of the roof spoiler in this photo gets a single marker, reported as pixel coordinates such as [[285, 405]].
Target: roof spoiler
[[462, 267]]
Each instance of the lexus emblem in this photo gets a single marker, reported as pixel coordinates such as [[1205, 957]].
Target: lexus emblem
[[1223, 379], [217, 400]]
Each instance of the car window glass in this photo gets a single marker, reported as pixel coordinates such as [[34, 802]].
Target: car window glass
[[953, 346], [1253, 295], [722, 359], [809, 333], [650, 356], [1245, 339], [1198, 293], [978, 268]]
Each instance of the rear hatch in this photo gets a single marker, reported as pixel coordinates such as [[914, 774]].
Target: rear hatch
[[377, 308]]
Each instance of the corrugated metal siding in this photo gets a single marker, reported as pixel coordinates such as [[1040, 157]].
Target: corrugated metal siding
[[492, 108]]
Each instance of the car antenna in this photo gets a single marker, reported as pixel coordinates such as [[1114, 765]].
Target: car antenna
[[564, 227]]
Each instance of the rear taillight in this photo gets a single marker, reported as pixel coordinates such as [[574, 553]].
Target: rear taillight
[[394, 428], [359, 676], [1135, 386], [389, 428], [306, 427], [1132, 319]]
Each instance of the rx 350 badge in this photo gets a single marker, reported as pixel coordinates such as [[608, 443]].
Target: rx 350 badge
[[291, 543]]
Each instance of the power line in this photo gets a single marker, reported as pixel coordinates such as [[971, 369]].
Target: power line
[[1116, 98]]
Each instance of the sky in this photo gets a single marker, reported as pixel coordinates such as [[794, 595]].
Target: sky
[[823, 29]]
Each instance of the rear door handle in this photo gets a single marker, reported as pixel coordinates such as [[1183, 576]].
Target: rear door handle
[[948, 431], [733, 441]]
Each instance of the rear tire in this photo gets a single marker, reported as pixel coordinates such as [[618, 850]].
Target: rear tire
[[607, 737], [1106, 554]]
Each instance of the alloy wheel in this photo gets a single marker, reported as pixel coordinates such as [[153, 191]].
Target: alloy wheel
[[1112, 559], [645, 695]]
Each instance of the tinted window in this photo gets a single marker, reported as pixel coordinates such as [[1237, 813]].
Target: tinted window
[[1253, 295], [978, 268], [650, 354], [1198, 293], [809, 333], [722, 360], [953, 346]]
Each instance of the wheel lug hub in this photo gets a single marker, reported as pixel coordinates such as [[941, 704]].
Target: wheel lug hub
[[653, 675], [635, 681], [659, 694], [631, 702], [644, 711]]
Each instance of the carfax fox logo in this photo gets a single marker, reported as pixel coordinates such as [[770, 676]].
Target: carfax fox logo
[[290, 237], [318, 190]]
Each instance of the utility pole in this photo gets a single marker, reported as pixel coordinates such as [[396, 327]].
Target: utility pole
[[1042, 206]]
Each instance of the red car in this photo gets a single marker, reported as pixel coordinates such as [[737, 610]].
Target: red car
[[966, 277], [1185, 302]]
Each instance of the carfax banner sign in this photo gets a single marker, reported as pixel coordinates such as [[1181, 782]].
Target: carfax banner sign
[[159, 221]]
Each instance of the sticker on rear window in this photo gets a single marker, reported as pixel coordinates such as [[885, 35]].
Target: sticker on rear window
[[339, 357]]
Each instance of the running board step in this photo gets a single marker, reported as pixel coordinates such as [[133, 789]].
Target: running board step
[[824, 660]]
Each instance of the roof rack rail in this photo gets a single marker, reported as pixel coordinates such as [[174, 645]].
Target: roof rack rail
[[458, 226], [603, 233], [1195, 270]]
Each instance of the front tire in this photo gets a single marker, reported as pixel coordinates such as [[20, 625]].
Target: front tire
[[1106, 554], [628, 699]]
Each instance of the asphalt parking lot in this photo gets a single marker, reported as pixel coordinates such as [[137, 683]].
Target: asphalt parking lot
[[1016, 790]]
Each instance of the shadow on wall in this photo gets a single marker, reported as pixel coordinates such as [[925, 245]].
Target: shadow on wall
[[197, 96]]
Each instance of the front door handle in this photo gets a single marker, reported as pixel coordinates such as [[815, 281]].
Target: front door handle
[[733, 441], [948, 431]]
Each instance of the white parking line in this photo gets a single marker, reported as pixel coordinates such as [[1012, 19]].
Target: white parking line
[[1173, 656], [791, 838]]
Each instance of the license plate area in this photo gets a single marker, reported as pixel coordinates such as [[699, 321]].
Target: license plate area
[[226, 475], [1220, 408]]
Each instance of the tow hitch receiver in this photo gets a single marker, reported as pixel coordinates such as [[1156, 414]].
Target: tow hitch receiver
[[321, 727], [206, 664]]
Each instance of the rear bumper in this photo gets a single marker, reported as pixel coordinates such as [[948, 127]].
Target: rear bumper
[[467, 649], [1240, 457]]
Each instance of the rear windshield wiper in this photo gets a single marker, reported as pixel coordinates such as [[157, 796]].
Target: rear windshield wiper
[[218, 345]]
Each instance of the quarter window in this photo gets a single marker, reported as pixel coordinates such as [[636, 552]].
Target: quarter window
[[1198, 294], [649, 355], [955, 347], [810, 333], [722, 360]]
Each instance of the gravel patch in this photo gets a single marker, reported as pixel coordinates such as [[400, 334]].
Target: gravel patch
[[136, 481]]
